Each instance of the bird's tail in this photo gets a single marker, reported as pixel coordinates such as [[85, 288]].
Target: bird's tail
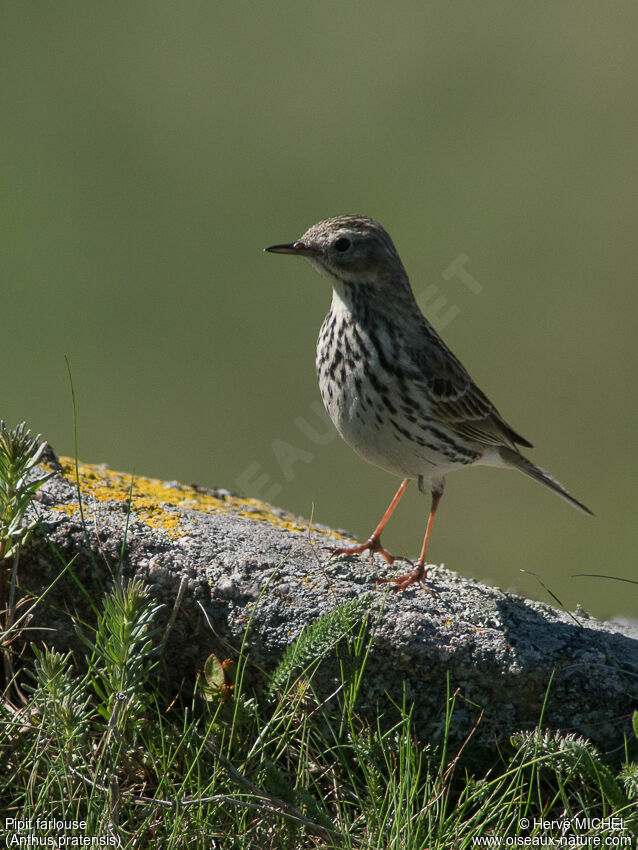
[[514, 458]]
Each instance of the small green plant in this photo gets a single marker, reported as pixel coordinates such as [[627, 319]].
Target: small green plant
[[123, 654], [317, 640], [59, 704], [20, 453], [218, 680], [570, 756]]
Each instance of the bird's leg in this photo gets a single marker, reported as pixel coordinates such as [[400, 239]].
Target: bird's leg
[[418, 573], [373, 543]]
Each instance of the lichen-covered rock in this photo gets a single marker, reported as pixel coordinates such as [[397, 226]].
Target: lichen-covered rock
[[254, 571]]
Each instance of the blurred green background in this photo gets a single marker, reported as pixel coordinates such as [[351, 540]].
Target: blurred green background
[[151, 150]]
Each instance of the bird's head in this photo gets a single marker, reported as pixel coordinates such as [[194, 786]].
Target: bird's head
[[352, 251]]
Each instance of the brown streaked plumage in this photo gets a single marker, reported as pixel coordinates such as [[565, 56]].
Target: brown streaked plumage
[[391, 386]]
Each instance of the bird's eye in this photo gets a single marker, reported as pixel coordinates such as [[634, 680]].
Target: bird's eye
[[342, 244]]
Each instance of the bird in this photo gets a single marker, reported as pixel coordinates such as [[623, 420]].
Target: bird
[[393, 389]]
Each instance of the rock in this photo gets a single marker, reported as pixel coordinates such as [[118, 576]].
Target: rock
[[249, 565]]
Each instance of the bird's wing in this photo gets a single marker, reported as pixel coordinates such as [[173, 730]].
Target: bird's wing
[[455, 400]]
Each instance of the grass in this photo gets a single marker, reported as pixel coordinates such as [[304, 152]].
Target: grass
[[102, 737]]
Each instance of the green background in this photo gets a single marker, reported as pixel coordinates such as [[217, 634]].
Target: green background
[[151, 150]]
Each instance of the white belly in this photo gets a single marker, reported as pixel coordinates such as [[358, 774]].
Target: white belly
[[379, 442], [383, 420]]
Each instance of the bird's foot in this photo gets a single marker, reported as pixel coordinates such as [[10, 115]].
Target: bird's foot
[[372, 545], [416, 576]]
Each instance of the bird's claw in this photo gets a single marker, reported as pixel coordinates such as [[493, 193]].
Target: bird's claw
[[417, 576], [372, 545]]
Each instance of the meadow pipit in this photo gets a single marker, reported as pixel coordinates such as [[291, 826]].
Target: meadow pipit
[[393, 389]]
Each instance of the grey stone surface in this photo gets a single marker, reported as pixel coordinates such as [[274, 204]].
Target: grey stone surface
[[244, 561]]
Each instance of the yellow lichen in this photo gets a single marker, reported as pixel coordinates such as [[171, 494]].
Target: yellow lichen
[[157, 503]]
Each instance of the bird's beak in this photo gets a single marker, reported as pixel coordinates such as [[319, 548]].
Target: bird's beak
[[299, 248]]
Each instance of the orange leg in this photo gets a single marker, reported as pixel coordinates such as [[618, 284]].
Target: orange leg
[[374, 542], [418, 573]]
